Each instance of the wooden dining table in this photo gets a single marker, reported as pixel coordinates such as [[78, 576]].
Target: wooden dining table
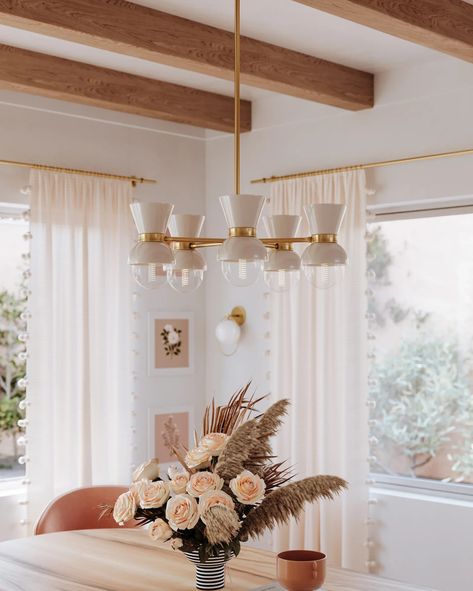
[[128, 560]]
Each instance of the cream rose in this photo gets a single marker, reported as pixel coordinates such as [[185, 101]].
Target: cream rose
[[124, 508], [214, 443], [147, 471], [178, 483], [153, 495], [248, 488], [201, 482], [198, 457], [182, 512], [136, 487], [160, 531], [213, 498], [176, 543]]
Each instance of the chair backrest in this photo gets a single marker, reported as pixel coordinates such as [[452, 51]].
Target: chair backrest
[[79, 509]]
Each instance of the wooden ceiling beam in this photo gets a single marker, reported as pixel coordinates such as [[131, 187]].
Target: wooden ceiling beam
[[139, 31], [442, 25], [53, 77]]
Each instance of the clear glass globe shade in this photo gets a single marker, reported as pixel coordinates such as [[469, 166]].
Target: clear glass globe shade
[[282, 280], [185, 280], [150, 276], [242, 273], [324, 276]]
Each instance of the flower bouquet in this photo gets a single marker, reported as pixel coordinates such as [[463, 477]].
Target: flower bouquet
[[225, 490]]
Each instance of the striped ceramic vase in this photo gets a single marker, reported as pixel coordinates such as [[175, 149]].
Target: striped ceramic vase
[[210, 574]]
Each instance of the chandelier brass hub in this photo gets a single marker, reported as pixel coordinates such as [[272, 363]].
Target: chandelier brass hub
[[242, 232]]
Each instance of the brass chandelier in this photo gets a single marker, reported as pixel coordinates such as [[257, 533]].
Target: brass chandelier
[[167, 250]]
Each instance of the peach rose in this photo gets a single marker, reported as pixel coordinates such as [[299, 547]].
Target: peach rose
[[147, 471], [212, 498], [198, 457], [160, 531], [201, 482], [182, 512], [153, 495], [124, 508], [214, 443], [248, 488], [179, 482]]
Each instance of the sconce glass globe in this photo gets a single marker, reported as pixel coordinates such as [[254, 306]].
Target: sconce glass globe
[[227, 333]]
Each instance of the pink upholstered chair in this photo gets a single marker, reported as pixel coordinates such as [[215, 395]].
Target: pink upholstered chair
[[79, 509]]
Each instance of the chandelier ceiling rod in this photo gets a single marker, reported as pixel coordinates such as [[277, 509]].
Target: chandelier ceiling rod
[[236, 92]]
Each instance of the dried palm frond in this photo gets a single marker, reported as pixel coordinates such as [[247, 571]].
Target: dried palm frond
[[227, 418], [275, 475], [282, 504], [222, 524], [236, 453], [105, 510], [170, 435]]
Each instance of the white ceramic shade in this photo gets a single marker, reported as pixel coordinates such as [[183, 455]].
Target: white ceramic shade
[[325, 218], [155, 253], [188, 259], [282, 260], [151, 218], [242, 211], [186, 225], [283, 226], [324, 254], [243, 248]]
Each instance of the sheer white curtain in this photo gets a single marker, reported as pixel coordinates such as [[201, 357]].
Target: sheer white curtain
[[79, 336], [319, 362]]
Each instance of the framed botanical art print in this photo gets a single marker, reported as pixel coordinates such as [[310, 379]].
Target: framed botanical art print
[[177, 421], [171, 343]]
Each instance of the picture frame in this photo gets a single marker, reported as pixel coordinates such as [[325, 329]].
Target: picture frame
[[183, 416], [170, 343]]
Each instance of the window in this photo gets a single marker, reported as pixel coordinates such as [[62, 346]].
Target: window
[[13, 263], [420, 296]]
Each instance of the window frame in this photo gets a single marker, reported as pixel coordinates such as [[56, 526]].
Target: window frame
[[407, 211]]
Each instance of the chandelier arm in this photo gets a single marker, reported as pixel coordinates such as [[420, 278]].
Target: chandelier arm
[[206, 244], [193, 239], [202, 242]]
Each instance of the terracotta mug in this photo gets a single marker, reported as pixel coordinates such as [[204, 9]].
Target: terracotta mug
[[301, 570]]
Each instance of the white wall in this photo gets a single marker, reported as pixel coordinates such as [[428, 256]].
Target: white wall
[[53, 132], [419, 110], [424, 540]]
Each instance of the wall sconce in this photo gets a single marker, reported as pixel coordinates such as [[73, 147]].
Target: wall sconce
[[228, 330]]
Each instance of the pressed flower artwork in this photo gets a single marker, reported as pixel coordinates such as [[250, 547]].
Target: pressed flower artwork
[[170, 343]]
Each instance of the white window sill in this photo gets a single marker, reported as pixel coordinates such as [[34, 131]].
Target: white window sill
[[11, 487], [421, 488]]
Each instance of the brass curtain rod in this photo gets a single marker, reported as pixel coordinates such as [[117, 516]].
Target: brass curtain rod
[[300, 175], [134, 180]]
